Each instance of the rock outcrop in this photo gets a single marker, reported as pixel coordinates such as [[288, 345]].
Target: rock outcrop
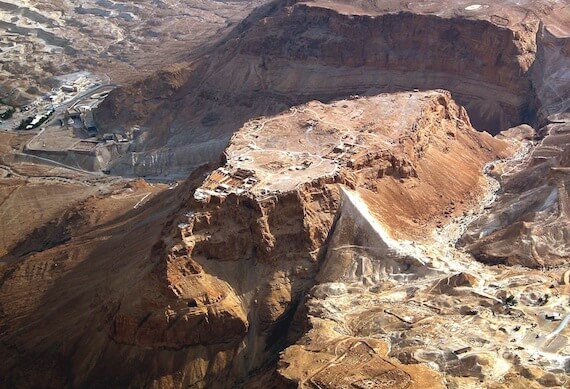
[[317, 247], [483, 330], [290, 52], [214, 287], [529, 223]]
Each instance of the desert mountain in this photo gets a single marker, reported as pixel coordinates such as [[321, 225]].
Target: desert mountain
[[377, 197], [288, 53]]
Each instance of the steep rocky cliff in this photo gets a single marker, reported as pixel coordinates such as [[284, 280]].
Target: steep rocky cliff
[[529, 222], [208, 295], [314, 242], [289, 52]]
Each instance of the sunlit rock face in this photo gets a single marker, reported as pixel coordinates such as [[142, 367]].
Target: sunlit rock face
[[289, 52], [315, 244], [529, 223]]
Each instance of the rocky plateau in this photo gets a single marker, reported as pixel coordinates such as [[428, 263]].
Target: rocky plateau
[[370, 194]]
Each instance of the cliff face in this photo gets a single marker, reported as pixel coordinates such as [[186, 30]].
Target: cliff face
[[528, 224], [265, 232], [213, 287], [303, 47], [321, 250], [263, 221], [291, 52], [514, 72]]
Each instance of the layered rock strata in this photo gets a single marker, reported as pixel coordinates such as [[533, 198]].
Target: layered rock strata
[[498, 60], [215, 286]]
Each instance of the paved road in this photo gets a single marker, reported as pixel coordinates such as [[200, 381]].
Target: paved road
[[62, 165]]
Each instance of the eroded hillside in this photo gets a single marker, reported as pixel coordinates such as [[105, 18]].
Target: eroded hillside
[[346, 221], [123, 39], [227, 288], [290, 52]]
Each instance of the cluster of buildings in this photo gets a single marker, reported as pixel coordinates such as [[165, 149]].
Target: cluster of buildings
[[37, 112], [237, 180], [222, 182], [71, 86]]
